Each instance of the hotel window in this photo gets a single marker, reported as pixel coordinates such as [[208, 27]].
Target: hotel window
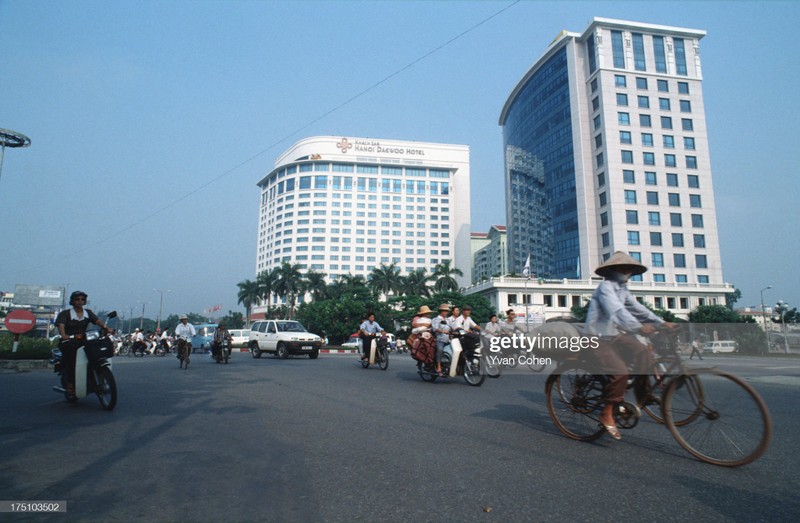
[[601, 179], [679, 260], [680, 56], [666, 122], [663, 86], [686, 124], [669, 160], [688, 143], [659, 54], [663, 104], [691, 162], [320, 182], [657, 259], [652, 198], [617, 49], [693, 181], [630, 196], [628, 176], [602, 198], [674, 199], [695, 201], [597, 122], [641, 83], [625, 137], [655, 239], [622, 99], [699, 241], [683, 87], [598, 140], [675, 219], [649, 158], [654, 218], [594, 85], [645, 121], [604, 219], [619, 80], [305, 182], [677, 239], [650, 178], [659, 278], [702, 279], [679, 278], [647, 139], [700, 261], [638, 52], [686, 106], [633, 238], [627, 157], [669, 141], [368, 169], [697, 221], [590, 51], [343, 167], [624, 118], [644, 102], [672, 179], [632, 217]]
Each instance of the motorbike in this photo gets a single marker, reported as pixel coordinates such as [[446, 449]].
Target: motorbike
[[222, 352], [92, 369], [378, 352], [163, 347], [461, 358]]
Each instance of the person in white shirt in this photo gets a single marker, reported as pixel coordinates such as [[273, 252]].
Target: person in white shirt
[[184, 332], [465, 322]]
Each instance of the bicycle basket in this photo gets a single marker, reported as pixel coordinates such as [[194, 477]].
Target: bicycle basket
[[96, 349]]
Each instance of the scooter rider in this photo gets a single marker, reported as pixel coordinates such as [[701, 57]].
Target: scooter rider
[[366, 331], [441, 329], [184, 332], [72, 324], [221, 334]]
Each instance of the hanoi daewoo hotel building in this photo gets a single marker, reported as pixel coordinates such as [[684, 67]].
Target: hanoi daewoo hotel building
[[346, 205]]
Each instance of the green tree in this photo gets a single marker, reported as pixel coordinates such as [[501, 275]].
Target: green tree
[[349, 286], [249, 294], [289, 284], [415, 283], [316, 285], [267, 281], [385, 279], [444, 277], [732, 297], [233, 320]]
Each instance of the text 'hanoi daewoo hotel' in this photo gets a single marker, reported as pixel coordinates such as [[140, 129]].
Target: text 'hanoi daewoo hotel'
[[348, 205]]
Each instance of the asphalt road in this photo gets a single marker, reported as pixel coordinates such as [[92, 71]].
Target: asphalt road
[[325, 440]]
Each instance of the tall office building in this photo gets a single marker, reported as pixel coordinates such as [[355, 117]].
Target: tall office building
[[348, 205], [606, 149]]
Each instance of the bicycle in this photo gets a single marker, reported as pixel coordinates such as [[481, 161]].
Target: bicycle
[[184, 352], [712, 414]]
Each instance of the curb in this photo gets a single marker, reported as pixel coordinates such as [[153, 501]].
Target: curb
[[338, 351], [23, 365]]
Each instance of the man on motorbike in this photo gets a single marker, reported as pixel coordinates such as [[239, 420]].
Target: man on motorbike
[[615, 317], [220, 335], [138, 342], [72, 324], [367, 331], [185, 331], [465, 321]]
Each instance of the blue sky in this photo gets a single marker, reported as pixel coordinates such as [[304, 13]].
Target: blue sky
[[152, 121]]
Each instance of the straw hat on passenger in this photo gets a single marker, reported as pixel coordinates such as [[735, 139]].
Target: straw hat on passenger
[[424, 310], [620, 261], [444, 307]]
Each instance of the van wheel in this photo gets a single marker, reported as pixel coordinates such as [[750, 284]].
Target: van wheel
[[255, 350], [313, 355], [282, 351]]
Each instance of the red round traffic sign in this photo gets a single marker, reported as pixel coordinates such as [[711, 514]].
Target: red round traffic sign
[[20, 321]]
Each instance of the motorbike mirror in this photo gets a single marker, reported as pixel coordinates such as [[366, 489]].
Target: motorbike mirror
[[112, 314]]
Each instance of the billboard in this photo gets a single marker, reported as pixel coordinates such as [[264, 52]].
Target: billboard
[[39, 295]]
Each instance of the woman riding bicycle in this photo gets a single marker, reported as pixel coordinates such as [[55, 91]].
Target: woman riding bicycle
[[615, 317], [184, 332]]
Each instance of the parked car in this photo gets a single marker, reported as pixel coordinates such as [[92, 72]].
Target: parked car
[[202, 339], [352, 343], [283, 338], [241, 338], [719, 346]]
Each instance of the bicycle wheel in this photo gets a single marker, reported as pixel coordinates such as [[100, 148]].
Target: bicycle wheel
[[663, 371], [574, 402], [721, 419]]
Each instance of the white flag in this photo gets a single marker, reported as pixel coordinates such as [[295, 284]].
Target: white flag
[[526, 271]]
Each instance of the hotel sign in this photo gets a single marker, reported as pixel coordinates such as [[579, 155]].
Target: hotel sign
[[376, 147]]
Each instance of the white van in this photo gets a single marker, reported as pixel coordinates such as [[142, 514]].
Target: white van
[[719, 346]]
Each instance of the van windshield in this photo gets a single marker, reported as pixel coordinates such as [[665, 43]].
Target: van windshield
[[290, 326]]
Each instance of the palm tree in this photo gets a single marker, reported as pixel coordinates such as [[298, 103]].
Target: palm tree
[[289, 283], [385, 279], [248, 295], [266, 283], [347, 285], [443, 274], [416, 283], [315, 284]]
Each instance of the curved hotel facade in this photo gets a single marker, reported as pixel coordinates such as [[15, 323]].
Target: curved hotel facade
[[606, 149], [345, 205]]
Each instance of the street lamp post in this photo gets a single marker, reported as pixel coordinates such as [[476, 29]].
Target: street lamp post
[[141, 318], [782, 307], [161, 305], [764, 314]]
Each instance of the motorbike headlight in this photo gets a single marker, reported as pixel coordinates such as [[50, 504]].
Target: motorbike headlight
[[92, 335]]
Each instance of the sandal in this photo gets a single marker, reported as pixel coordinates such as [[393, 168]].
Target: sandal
[[613, 431]]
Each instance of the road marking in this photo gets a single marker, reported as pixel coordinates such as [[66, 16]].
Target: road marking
[[793, 381]]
